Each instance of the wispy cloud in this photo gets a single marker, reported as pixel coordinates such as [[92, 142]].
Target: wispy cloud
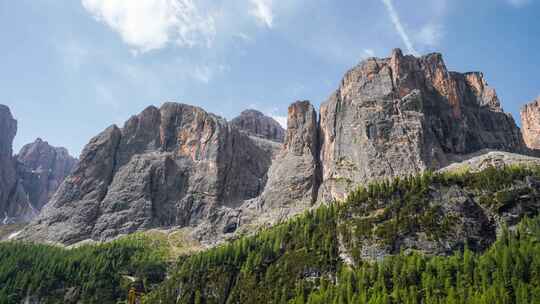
[[519, 3], [151, 24], [394, 16], [282, 120], [429, 35], [262, 10]]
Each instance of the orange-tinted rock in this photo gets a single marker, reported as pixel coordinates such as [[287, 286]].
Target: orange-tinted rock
[[530, 124]]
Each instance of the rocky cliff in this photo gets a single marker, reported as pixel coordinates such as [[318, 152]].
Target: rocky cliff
[[41, 169], [29, 179], [401, 115], [257, 124], [173, 166], [179, 166], [530, 124], [8, 174]]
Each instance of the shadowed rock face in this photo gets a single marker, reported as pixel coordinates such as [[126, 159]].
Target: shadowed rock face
[[257, 124], [293, 177], [402, 115], [8, 174], [42, 168], [530, 124], [28, 180], [173, 166]]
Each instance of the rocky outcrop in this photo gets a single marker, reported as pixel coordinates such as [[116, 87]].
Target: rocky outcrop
[[530, 124], [402, 115], [293, 179], [29, 179], [41, 169], [495, 159], [173, 166], [257, 124], [178, 166], [8, 174]]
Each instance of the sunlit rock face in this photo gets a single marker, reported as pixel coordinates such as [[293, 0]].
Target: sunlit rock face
[[530, 124], [401, 115]]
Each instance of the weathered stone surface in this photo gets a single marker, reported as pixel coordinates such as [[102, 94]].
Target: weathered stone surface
[[28, 180], [179, 166], [8, 177], [173, 166], [530, 124], [294, 176], [402, 115], [257, 124], [41, 169]]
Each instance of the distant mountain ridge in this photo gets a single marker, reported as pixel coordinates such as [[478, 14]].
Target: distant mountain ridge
[[30, 178]]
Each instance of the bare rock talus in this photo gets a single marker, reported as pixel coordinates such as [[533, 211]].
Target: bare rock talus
[[530, 124], [257, 124], [402, 115]]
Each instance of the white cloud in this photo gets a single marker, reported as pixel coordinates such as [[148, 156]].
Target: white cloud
[[429, 35], [399, 26], [151, 24], [519, 3], [367, 53], [262, 10], [203, 74], [281, 119]]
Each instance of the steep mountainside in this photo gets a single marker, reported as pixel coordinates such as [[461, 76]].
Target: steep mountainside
[[180, 166], [402, 115], [42, 168], [29, 179], [530, 124], [8, 174], [257, 124], [173, 166]]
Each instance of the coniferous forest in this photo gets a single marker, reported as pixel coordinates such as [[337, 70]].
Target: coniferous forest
[[317, 257]]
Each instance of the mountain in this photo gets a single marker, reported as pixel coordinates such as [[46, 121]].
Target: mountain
[[42, 168], [257, 124], [30, 178], [402, 115], [173, 166], [179, 166], [530, 124]]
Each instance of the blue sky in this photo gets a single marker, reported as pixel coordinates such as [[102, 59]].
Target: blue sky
[[70, 68]]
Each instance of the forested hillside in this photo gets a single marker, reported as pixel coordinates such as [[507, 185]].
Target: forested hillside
[[422, 239]]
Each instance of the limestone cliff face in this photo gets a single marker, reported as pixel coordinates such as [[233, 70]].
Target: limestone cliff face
[[401, 115], [294, 175], [530, 124], [173, 166], [8, 173], [181, 166], [41, 169], [29, 179], [257, 124]]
